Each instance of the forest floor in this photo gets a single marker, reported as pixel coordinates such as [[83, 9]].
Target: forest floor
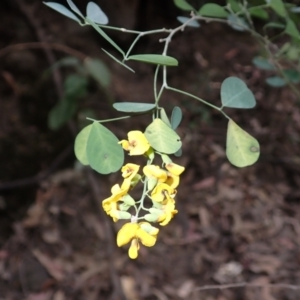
[[236, 227]]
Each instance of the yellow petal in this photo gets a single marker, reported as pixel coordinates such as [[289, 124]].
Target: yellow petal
[[162, 192], [146, 239], [138, 144], [174, 168], [134, 248], [126, 233], [169, 212], [130, 170], [124, 144], [172, 180], [168, 217], [155, 171]]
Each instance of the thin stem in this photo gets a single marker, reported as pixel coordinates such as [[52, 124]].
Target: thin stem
[[155, 84], [108, 120], [193, 96]]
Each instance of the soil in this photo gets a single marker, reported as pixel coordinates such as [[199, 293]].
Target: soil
[[238, 228]]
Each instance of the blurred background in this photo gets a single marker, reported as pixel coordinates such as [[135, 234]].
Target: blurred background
[[233, 226]]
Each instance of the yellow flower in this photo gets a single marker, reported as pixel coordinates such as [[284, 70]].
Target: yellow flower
[[129, 170], [172, 180], [136, 233], [169, 211], [110, 204], [162, 192], [174, 168], [151, 171], [137, 143], [131, 178]]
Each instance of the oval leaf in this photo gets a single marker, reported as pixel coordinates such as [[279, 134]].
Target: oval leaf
[[276, 81], [95, 13], [191, 23], [74, 8], [241, 148], [274, 25], [133, 107], [291, 29], [63, 10], [292, 75], [164, 117], [80, 144], [278, 7], [262, 63], [98, 70], [176, 117], [235, 93], [258, 13], [182, 4], [104, 153], [162, 138], [237, 23], [213, 10], [155, 59]]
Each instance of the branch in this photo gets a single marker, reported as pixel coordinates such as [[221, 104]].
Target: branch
[[246, 284]]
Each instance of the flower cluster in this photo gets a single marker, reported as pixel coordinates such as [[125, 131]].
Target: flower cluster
[[159, 188]]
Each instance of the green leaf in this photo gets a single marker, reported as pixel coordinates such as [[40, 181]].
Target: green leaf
[[162, 138], [241, 148], [274, 25], [258, 12], [178, 153], [155, 59], [234, 5], [63, 10], [164, 117], [292, 75], [262, 63], [235, 93], [75, 86], [295, 10], [104, 35], [292, 30], [81, 143], [276, 81], [118, 61], [278, 7], [191, 23], [74, 8], [213, 10], [98, 70], [95, 13], [176, 117], [62, 112], [133, 107], [104, 153], [237, 23], [69, 61], [182, 4]]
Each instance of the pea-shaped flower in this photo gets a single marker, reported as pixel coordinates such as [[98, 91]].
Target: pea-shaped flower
[[137, 143], [136, 233], [111, 205], [162, 192]]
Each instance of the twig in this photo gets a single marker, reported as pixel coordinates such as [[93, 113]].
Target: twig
[[246, 284], [38, 178], [42, 45], [57, 78]]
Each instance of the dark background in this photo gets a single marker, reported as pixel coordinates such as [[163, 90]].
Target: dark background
[[233, 226]]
